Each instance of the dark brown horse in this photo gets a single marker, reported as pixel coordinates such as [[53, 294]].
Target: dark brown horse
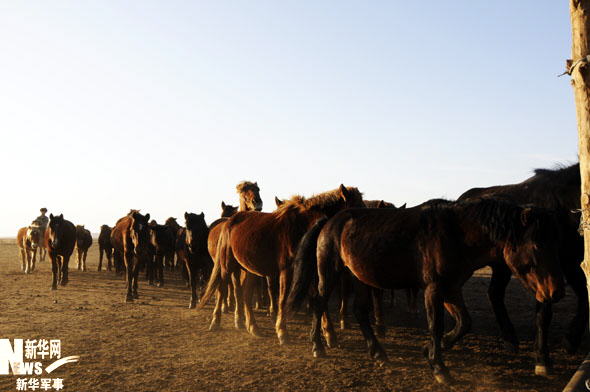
[[60, 240], [29, 241], [131, 243], [177, 230], [435, 247], [557, 190], [163, 240], [198, 261], [83, 242], [249, 194], [264, 244], [105, 247]]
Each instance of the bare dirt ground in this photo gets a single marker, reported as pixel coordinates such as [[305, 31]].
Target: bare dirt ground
[[158, 344]]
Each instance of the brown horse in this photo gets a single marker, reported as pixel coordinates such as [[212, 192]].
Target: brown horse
[[131, 243], [176, 229], [60, 240], [83, 242], [105, 247], [264, 245], [250, 200], [557, 190], [435, 247], [29, 241]]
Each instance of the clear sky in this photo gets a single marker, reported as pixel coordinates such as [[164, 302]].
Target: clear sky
[[166, 105]]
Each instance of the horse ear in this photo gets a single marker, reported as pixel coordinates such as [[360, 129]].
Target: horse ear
[[223, 205], [381, 204], [203, 214], [525, 216], [343, 192], [185, 215], [403, 207], [50, 216], [147, 217], [278, 202], [61, 216]]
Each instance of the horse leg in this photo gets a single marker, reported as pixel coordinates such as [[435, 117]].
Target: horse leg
[[249, 283], [23, 256], [85, 255], [377, 297], [54, 271], [129, 270], [191, 269], [433, 302], [109, 254], [239, 304], [271, 286], [221, 295], [345, 287], [160, 270], [135, 275], [360, 308], [28, 265], [496, 291], [79, 258], [65, 261], [281, 323], [411, 297], [544, 313], [455, 305], [579, 323], [100, 252]]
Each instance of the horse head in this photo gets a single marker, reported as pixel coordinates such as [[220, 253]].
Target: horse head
[[228, 210], [196, 231], [140, 232], [56, 224], [249, 196]]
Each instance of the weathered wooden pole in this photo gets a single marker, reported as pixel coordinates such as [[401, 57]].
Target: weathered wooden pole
[[579, 69]]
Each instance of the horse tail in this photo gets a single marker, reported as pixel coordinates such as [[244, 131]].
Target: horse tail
[[305, 266], [215, 278]]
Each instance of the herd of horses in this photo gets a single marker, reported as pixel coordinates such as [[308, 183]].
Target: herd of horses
[[307, 247]]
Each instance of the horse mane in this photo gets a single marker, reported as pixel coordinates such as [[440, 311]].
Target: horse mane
[[171, 220], [560, 175], [129, 215], [245, 186], [320, 201]]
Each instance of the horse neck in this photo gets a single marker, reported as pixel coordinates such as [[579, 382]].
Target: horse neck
[[243, 205]]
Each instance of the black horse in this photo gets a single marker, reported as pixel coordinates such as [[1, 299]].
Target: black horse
[[557, 190], [198, 261]]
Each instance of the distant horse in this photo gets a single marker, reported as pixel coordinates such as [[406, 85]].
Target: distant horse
[[198, 261], [105, 247], [131, 243], [176, 228], [83, 242], [264, 244], [29, 241], [60, 240], [42, 225], [163, 240], [435, 247], [249, 194], [557, 190]]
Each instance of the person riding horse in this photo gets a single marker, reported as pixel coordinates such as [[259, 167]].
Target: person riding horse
[[42, 221]]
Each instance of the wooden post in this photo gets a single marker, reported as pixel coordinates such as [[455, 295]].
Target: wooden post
[[579, 68]]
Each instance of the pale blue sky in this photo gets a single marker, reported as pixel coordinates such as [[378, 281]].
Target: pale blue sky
[[166, 105]]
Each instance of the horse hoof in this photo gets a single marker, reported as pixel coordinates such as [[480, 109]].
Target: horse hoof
[[541, 370], [282, 340], [380, 356], [192, 305], [319, 353], [443, 377], [331, 341], [255, 332], [128, 299], [159, 284], [214, 326], [239, 324], [63, 282], [135, 296], [54, 301]]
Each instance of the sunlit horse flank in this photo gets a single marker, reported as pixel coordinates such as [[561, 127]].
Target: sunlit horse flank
[[264, 244], [30, 241], [83, 243], [60, 240], [435, 247], [131, 243]]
